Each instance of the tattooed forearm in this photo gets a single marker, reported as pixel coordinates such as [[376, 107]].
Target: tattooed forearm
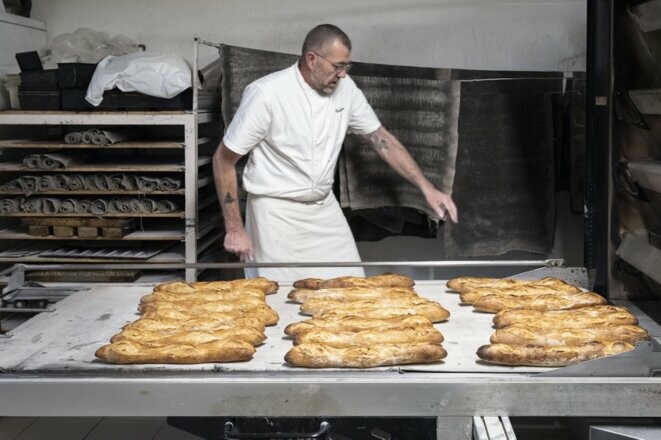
[[379, 140], [229, 199]]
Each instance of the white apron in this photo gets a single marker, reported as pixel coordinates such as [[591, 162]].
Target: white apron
[[289, 231]]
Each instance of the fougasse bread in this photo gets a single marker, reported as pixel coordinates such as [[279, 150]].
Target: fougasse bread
[[432, 311], [324, 356], [604, 315], [472, 295], [154, 339], [384, 280], [132, 352], [322, 305], [462, 284], [357, 323], [554, 356], [265, 285], [203, 295], [558, 301], [350, 293], [371, 337], [518, 334]]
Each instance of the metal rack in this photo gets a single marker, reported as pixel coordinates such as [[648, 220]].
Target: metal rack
[[194, 233]]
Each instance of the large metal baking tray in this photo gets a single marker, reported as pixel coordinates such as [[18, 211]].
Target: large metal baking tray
[[65, 340]]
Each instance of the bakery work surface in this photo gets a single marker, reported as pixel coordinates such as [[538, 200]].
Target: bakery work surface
[[51, 359]]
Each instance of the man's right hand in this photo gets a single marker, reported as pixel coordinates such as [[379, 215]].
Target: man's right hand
[[238, 242]]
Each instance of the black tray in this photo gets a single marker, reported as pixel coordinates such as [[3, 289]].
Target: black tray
[[75, 75], [39, 99], [40, 79], [74, 99]]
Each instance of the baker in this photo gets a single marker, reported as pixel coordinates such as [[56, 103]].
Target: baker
[[292, 124]]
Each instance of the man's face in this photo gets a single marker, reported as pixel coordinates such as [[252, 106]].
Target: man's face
[[330, 65]]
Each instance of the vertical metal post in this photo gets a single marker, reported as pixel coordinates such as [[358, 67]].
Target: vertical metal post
[[191, 176], [598, 139]]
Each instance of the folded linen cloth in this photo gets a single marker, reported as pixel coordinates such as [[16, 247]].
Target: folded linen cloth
[[9, 206], [31, 205], [169, 184], [147, 184], [75, 137], [166, 206], [99, 207], [108, 137], [49, 161], [50, 206]]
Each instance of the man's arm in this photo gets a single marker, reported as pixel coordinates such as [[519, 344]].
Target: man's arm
[[393, 152], [224, 173]]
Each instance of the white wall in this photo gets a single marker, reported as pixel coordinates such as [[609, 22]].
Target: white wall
[[17, 34], [479, 34]]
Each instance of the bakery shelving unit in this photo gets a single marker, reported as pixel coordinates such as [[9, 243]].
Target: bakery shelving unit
[[185, 233]]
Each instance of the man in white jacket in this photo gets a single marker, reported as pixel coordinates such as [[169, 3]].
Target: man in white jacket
[[293, 123]]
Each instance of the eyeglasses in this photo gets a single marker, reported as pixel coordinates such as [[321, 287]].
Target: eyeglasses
[[338, 67]]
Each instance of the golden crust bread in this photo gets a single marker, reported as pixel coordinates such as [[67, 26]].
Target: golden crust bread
[[324, 356], [131, 352], [263, 284], [557, 356], [350, 293], [518, 334], [371, 337], [266, 315], [557, 301], [322, 305], [472, 295], [461, 284], [154, 339], [432, 311], [202, 295], [194, 324], [593, 316], [384, 280], [212, 306], [357, 323]]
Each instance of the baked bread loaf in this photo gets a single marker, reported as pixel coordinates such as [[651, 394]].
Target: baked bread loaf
[[432, 311], [472, 295], [595, 316], [132, 352], [266, 315], [350, 293], [263, 284], [557, 301], [155, 339], [357, 323], [322, 305], [385, 280], [555, 356], [203, 295], [518, 334], [371, 337], [212, 306], [461, 284], [324, 356], [193, 324]]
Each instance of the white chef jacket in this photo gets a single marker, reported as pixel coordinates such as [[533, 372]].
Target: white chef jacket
[[294, 134], [294, 137]]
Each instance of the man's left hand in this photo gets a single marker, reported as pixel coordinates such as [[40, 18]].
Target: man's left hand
[[442, 204]]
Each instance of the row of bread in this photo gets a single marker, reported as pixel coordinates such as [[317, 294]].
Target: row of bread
[[364, 322], [547, 322], [189, 323], [115, 205], [90, 182]]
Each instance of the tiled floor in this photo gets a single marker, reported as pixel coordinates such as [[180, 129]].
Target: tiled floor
[[107, 428]]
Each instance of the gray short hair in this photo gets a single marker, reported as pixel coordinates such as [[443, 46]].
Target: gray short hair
[[323, 34]]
